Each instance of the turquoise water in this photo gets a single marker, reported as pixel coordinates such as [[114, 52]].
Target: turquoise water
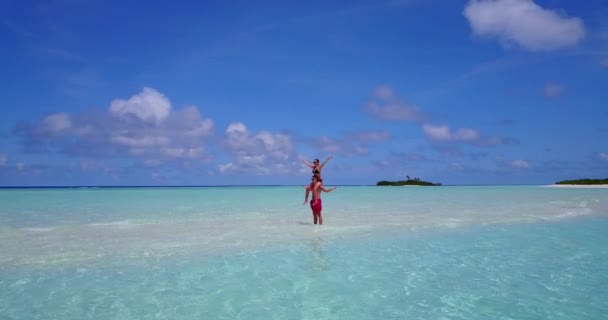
[[252, 253]]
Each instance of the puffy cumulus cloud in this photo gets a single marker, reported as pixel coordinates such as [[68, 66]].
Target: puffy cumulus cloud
[[149, 105], [3, 160], [442, 134], [387, 106], [262, 153], [553, 90], [519, 164], [524, 23], [50, 127], [145, 125]]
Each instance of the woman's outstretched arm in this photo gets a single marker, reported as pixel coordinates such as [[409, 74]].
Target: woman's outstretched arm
[[324, 162], [307, 163]]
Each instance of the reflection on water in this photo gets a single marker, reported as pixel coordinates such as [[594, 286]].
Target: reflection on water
[[319, 263]]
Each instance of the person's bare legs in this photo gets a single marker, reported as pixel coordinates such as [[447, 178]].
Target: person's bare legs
[[307, 190], [314, 217], [320, 218]]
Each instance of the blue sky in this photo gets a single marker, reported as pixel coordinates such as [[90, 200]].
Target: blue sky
[[237, 92]]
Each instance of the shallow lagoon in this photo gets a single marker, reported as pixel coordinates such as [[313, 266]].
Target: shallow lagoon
[[252, 253]]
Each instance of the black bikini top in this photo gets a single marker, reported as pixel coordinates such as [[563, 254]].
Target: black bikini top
[[315, 171]]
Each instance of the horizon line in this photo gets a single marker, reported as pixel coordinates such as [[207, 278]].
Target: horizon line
[[240, 185]]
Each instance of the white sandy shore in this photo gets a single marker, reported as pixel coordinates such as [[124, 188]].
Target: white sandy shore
[[596, 186]]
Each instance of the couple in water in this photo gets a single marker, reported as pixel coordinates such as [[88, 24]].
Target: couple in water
[[316, 186]]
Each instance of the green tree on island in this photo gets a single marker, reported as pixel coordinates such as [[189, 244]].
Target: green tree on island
[[584, 181], [409, 182]]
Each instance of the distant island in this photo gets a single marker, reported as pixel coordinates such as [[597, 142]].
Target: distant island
[[584, 181], [408, 182]]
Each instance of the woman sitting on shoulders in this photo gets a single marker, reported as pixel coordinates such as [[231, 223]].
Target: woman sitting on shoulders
[[315, 166], [316, 171]]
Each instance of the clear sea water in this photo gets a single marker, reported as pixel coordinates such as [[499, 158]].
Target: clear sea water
[[516, 252]]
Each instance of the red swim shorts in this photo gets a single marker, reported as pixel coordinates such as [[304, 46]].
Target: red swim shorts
[[317, 207]]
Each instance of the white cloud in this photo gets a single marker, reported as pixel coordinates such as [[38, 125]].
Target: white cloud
[[523, 22], [553, 90], [350, 145], [149, 105], [263, 153], [384, 92], [140, 142], [520, 164], [56, 123], [236, 128], [603, 156], [191, 153], [143, 126], [3, 160], [466, 134], [438, 133], [389, 107], [394, 111], [604, 62], [20, 166], [443, 133], [345, 147], [227, 167]]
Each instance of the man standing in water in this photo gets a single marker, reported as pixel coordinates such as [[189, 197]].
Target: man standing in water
[[316, 204]]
